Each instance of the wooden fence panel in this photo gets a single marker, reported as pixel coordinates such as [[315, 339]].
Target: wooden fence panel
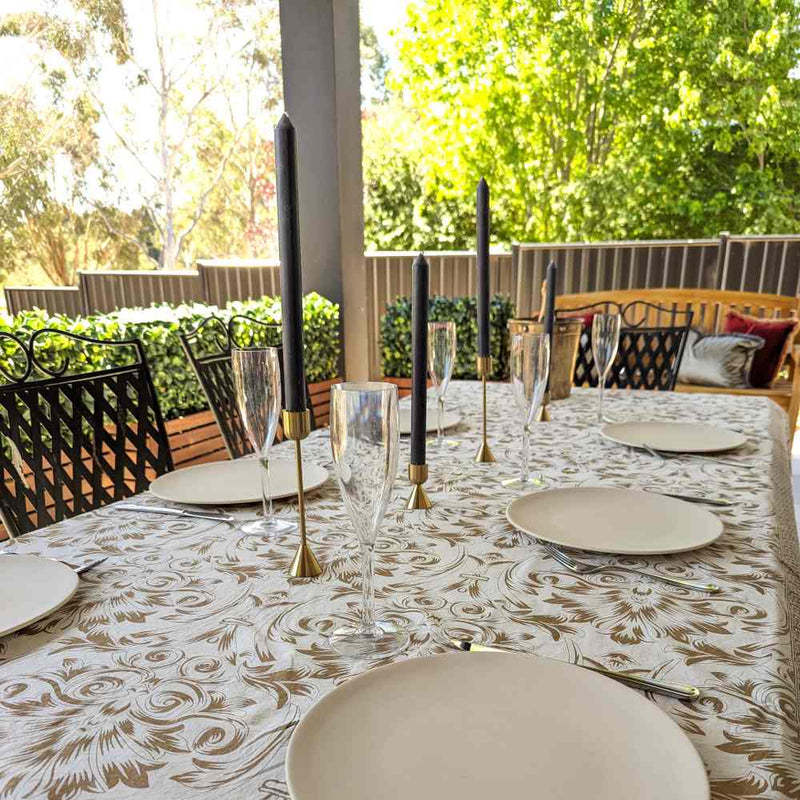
[[108, 291], [53, 299], [764, 264], [452, 274], [223, 281], [613, 266]]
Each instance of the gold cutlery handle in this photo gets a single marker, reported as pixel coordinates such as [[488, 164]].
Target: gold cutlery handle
[[681, 691]]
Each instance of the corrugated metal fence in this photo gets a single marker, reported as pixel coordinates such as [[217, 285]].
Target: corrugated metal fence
[[214, 282], [767, 264]]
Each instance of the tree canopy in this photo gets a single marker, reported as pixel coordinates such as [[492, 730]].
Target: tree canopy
[[591, 119]]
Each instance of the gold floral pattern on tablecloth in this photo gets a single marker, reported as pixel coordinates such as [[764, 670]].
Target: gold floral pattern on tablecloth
[[181, 664]]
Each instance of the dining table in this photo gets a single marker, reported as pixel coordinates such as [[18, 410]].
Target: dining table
[[182, 664]]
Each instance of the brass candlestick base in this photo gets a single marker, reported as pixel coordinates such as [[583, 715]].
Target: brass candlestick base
[[296, 426], [418, 474], [543, 415], [484, 454]]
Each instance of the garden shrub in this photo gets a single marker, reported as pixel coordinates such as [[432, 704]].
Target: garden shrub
[[157, 327], [396, 334]]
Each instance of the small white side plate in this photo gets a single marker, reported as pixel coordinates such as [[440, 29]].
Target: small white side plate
[[490, 725], [609, 520], [449, 420], [223, 483], [32, 588], [674, 437]]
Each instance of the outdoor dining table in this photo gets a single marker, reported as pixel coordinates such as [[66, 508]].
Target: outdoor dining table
[[180, 666]]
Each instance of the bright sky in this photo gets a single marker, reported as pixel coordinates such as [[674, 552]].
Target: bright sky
[[384, 16]]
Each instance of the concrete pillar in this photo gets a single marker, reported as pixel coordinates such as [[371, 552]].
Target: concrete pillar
[[321, 91]]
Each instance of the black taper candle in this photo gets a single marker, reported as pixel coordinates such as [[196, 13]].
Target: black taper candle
[[419, 356], [550, 309], [550, 298], [291, 277], [483, 267]]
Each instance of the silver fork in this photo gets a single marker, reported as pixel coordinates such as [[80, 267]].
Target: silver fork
[[79, 569], [580, 568]]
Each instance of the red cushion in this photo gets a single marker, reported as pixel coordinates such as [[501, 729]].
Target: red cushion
[[777, 335], [586, 317]]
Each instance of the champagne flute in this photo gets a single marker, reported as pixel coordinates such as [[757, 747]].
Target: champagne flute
[[257, 381], [441, 361], [605, 341], [365, 441], [530, 368]]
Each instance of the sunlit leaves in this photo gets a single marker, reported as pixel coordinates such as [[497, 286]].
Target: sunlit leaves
[[604, 119]]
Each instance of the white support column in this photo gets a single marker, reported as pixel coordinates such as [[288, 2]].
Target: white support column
[[321, 77]]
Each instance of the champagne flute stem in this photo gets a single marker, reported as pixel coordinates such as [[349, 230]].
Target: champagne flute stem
[[266, 494], [524, 474], [601, 384], [367, 591], [439, 419]]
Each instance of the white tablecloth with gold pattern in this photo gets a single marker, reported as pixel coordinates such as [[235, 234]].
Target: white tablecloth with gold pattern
[[175, 669]]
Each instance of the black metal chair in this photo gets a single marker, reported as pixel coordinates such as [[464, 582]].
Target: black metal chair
[[584, 373], [650, 352], [208, 348], [74, 441]]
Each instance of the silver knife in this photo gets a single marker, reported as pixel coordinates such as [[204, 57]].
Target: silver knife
[[91, 565], [692, 499], [176, 512], [683, 691], [664, 455]]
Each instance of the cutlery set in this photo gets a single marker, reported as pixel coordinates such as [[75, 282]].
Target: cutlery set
[[681, 691], [213, 516], [580, 568], [80, 569], [665, 455]]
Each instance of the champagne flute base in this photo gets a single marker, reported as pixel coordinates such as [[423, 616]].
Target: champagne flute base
[[434, 444], [379, 641], [518, 483], [265, 527]]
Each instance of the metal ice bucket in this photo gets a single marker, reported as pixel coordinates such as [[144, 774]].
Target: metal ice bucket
[[566, 337]]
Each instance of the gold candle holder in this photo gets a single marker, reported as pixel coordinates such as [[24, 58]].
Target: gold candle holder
[[484, 454], [418, 474], [543, 414], [296, 426]]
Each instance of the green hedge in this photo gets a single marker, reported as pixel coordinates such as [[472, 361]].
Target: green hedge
[[157, 327], [396, 334]]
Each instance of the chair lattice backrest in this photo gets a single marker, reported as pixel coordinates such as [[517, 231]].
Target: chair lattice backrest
[[74, 440], [648, 357], [208, 348]]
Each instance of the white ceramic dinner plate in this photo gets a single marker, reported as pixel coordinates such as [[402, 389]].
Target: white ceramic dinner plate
[[224, 483], [608, 520], [449, 420], [32, 587], [490, 725], [674, 437]]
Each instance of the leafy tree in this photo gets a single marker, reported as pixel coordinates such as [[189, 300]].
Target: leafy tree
[[223, 73], [45, 160], [403, 209], [601, 119], [374, 67]]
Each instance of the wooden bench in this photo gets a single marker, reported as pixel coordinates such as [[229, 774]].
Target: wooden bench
[[709, 307]]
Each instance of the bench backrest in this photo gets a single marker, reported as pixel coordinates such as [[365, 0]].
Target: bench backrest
[[709, 305]]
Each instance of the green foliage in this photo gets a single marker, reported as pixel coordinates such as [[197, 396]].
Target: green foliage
[[157, 327], [594, 120], [396, 334]]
